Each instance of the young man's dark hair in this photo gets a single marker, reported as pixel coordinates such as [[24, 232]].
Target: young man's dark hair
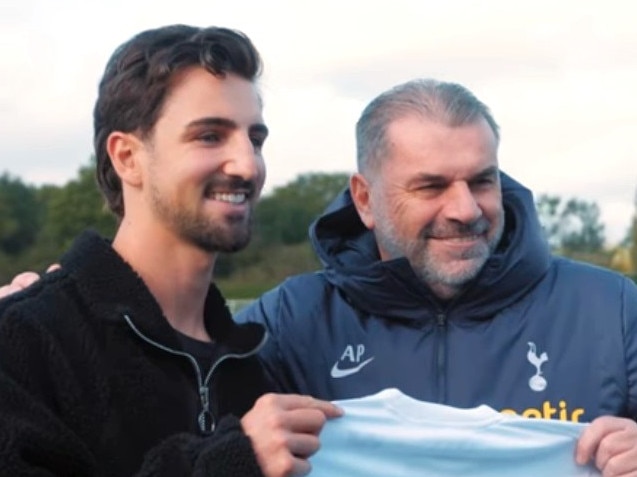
[[138, 78]]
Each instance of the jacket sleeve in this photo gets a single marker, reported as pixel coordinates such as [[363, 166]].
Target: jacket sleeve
[[228, 453], [51, 415], [630, 344], [34, 441]]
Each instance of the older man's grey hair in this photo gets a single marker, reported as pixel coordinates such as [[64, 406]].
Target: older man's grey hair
[[448, 103]]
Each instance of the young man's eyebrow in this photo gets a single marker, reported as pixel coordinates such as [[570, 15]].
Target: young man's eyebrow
[[212, 121], [226, 123]]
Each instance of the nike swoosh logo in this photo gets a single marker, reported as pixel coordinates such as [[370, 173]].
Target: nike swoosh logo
[[341, 373]]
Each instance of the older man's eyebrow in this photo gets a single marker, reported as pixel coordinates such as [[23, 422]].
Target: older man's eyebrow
[[428, 178], [491, 171]]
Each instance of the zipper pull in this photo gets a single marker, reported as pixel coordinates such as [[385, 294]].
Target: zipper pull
[[441, 319], [205, 419]]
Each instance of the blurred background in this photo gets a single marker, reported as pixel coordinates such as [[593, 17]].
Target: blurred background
[[559, 77]]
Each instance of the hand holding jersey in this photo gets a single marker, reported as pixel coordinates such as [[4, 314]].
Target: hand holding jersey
[[284, 432], [390, 433], [611, 443]]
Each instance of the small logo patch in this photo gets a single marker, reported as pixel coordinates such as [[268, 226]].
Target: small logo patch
[[350, 362], [537, 382], [341, 373]]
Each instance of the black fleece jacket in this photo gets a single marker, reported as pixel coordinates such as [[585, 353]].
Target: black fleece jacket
[[93, 380]]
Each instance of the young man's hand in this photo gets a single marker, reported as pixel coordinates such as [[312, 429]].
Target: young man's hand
[[284, 431]]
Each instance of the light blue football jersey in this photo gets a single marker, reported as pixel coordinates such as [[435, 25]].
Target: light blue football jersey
[[390, 434]]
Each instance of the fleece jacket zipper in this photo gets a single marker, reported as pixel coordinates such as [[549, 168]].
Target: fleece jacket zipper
[[205, 420]]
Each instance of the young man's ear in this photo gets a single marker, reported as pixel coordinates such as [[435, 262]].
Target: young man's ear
[[361, 195], [123, 150]]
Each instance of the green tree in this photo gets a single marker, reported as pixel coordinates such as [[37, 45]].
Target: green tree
[[280, 245], [583, 230], [54, 216], [285, 215], [573, 226], [20, 215], [74, 207], [549, 215], [632, 240]]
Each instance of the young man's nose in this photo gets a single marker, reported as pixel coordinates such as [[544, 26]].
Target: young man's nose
[[243, 160]]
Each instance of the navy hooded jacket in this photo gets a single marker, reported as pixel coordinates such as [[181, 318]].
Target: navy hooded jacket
[[535, 334]]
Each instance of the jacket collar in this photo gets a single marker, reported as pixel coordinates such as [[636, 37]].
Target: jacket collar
[[113, 289], [391, 288]]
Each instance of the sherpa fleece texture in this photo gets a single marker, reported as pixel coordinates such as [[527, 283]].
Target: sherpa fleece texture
[[81, 394]]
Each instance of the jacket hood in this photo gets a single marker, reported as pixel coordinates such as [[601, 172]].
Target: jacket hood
[[390, 288]]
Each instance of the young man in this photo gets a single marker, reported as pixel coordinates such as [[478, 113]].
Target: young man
[[438, 282], [126, 360]]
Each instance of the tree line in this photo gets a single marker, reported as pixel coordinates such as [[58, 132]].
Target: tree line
[[37, 223]]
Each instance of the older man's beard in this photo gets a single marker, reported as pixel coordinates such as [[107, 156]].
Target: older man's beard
[[434, 270]]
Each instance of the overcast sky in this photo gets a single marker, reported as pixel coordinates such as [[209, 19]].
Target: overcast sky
[[559, 76]]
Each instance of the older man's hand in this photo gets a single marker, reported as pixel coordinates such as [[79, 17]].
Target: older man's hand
[[23, 280], [611, 443]]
